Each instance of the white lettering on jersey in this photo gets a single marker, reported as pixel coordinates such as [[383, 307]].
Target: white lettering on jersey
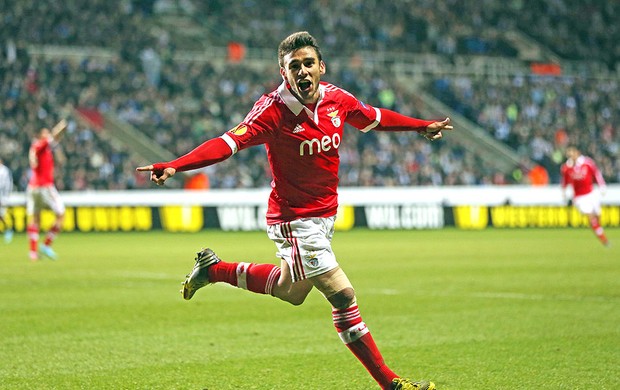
[[322, 145]]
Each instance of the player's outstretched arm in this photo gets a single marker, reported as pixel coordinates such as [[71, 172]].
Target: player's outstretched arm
[[208, 153], [394, 121], [59, 129]]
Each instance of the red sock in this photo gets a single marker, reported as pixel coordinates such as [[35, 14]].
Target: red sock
[[51, 234], [356, 336], [598, 229], [33, 237], [258, 278]]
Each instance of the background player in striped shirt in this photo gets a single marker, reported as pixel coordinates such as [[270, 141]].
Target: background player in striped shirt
[[41, 192], [301, 125], [580, 172]]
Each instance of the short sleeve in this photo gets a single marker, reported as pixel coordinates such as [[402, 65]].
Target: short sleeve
[[257, 127], [361, 115]]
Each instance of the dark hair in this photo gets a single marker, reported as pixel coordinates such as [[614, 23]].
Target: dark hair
[[295, 42]]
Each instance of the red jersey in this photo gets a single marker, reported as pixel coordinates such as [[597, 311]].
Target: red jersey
[[42, 163], [580, 175], [302, 147]]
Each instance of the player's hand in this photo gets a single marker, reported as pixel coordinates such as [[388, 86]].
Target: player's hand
[[433, 131], [158, 175], [58, 129]]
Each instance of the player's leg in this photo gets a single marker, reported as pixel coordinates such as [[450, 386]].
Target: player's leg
[[33, 235], [590, 206], [595, 224], [259, 278], [33, 216], [354, 333], [286, 290], [52, 200], [282, 282]]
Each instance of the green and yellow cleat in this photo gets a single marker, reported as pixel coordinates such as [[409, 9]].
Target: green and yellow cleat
[[406, 384], [199, 276]]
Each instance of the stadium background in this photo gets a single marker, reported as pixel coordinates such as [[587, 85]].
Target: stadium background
[[144, 81], [470, 308]]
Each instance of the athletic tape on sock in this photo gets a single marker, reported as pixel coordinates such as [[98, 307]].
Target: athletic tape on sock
[[242, 275], [353, 333]]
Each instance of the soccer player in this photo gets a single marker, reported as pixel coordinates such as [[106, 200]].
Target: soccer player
[[301, 124], [6, 186], [41, 192], [579, 171]]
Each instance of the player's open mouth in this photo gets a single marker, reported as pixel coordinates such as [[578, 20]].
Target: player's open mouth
[[304, 85]]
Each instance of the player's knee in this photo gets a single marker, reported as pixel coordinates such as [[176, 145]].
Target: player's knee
[[343, 298], [296, 300], [292, 294]]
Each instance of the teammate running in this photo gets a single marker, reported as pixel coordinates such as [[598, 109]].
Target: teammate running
[[42, 193], [580, 172]]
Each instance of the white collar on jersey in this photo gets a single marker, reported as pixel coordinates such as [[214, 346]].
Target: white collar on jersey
[[578, 161], [295, 105]]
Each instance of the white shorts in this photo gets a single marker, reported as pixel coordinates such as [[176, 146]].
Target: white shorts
[[305, 244], [588, 203], [39, 198]]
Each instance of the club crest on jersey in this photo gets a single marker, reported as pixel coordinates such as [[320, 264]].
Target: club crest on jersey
[[239, 130], [312, 259], [335, 118]]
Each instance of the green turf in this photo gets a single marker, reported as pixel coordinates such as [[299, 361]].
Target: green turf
[[492, 309]]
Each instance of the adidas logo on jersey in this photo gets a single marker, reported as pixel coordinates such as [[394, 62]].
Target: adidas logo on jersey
[[298, 129]]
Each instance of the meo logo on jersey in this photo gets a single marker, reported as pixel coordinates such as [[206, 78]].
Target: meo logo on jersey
[[325, 144]]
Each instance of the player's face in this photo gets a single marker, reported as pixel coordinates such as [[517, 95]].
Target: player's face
[[572, 154], [302, 70], [44, 133]]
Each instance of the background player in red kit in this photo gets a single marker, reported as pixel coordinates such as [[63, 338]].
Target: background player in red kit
[[41, 192], [301, 124], [580, 171]]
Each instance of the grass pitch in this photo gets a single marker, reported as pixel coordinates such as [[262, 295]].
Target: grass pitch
[[492, 309]]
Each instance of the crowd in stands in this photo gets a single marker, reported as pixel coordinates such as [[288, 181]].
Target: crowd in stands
[[194, 102], [180, 104], [539, 115], [573, 29], [419, 26], [37, 95]]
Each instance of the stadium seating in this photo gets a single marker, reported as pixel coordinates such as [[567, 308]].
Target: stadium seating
[[178, 104]]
